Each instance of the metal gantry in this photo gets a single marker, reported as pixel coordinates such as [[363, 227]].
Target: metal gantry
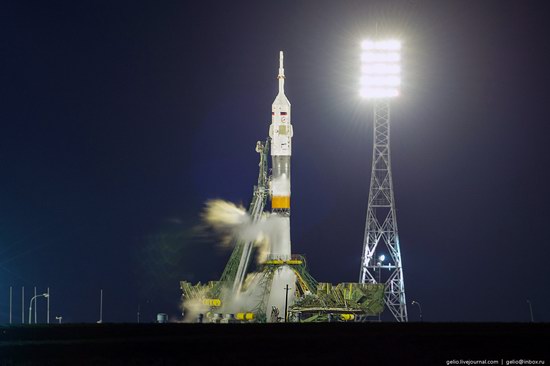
[[234, 273], [381, 242]]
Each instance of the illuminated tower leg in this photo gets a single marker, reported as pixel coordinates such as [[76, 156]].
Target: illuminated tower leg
[[381, 260]]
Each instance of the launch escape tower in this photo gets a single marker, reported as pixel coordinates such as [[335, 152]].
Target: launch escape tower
[[381, 260]]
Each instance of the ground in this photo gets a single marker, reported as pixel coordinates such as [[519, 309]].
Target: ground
[[271, 344]]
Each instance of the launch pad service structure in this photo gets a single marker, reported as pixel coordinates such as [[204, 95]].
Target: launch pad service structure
[[280, 288]]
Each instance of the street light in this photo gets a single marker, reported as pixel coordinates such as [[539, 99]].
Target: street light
[[381, 259], [531, 311], [30, 304], [379, 264], [380, 69], [286, 302], [419, 308], [100, 321]]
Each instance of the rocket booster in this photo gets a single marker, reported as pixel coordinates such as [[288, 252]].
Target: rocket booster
[[280, 132]]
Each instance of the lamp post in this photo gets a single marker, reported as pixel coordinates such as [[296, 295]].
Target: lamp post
[[531, 311], [100, 321], [419, 308], [379, 264], [30, 304], [11, 295], [381, 260], [286, 302]]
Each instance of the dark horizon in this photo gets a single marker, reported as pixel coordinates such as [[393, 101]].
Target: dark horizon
[[120, 121]]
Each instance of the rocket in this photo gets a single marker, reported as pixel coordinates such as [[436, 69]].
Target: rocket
[[280, 132]]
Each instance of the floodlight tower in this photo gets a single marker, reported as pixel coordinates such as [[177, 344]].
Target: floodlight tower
[[380, 82]]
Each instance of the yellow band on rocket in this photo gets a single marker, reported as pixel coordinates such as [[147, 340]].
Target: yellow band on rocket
[[280, 202]]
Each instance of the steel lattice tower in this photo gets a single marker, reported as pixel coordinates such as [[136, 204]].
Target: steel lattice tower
[[381, 236]]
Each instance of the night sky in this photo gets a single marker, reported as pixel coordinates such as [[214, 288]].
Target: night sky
[[120, 119]]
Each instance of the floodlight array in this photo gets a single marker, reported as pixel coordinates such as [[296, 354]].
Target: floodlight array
[[380, 69]]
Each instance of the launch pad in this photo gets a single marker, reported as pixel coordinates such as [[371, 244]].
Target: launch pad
[[280, 289], [313, 301]]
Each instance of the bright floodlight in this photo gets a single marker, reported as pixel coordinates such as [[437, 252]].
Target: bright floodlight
[[380, 69], [382, 258]]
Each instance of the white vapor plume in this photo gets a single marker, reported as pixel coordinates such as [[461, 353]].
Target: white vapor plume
[[224, 216], [193, 307], [233, 222]]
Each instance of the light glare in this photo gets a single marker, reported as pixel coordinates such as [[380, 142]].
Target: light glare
[[390, 44], [380, 68], [369, 80], [374, 93], [380, 57]]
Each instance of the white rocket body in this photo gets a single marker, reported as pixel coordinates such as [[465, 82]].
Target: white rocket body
[[280, 132]]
